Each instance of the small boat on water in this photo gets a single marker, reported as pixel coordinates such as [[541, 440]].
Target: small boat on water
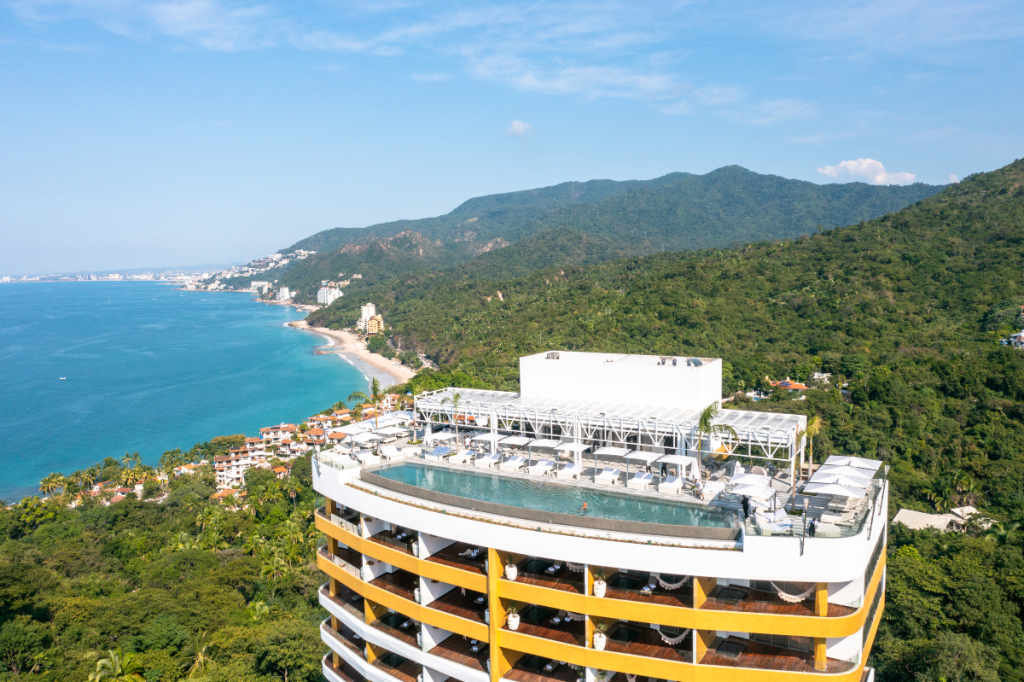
[[63, 378]]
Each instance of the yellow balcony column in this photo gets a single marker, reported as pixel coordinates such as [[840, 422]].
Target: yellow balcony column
[[703, 640], [702, 587], [497, 611], [374, 611], [330, 507], [588, 622], [820, 654], [371, 653], [821, 599]]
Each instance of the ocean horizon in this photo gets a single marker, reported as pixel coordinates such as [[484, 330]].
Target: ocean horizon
[[98, 369]]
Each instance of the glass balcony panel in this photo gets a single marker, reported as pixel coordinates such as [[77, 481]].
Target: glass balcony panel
[[463, 603], [639, 639], [462, 555], [344, 671], [551, 573], [463, 650], [398, 626], [735, 652], [645, 588], [396, 538], [531, 668], [400, 582], [398, 667], [346, 599], [749, 600], [347, 637], [541, 621]]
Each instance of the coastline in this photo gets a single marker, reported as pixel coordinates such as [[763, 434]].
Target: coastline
[[353, 350]]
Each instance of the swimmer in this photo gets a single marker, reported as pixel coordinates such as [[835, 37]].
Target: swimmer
[[583, 509]]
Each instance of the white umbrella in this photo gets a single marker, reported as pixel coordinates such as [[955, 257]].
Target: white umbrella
[[852, 472], [515, 441], [488, 437], [833, 489], [749, 479], [758, 492], [440, 436], [683, 461], [613, 451], [366, 437], [839, 479], [576, 449], [545, 443], [858, 462], [392, 430]]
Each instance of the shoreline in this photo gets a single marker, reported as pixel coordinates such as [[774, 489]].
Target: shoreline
[[352, 350]]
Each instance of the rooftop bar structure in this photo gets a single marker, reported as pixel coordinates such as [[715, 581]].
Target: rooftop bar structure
[[521, 558]]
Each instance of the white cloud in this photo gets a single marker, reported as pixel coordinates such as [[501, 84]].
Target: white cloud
[[431, 77], [519, 129], [953, 179], [868, 169]]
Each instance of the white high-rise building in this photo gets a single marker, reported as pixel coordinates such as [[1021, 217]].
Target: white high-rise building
[[366, 314], [284, 294], [327, 295]]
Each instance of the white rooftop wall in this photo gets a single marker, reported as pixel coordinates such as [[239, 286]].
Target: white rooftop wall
[[616, 379]]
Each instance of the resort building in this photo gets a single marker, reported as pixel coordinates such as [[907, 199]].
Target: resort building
[[366, 313], [328, 295], [284, 294], [375, 325], [592, 531]]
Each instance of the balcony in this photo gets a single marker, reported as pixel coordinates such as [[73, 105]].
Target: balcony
[[349, 556], [749, 600], [470, 605], [398, 539], [400, 582], [347, 599], [351, 569], [459, 649], [735, 652], [540, 621], [629, 587], [400, 627], [398, 667], [532, 668], [638, 639], [461, 556], [554, 575], [346, 637], [343, 672]]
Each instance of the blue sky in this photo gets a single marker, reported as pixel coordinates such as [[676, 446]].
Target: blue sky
[[142, 134]]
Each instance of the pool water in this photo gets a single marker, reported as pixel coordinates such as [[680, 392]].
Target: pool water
[[545, 495]]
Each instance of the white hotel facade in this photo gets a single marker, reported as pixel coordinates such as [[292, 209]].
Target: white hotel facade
[[442, 570]]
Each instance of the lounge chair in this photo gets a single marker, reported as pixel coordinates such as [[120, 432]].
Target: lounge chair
[[514, 464], [540, 468], [672, 484], [437, 454], [461, 457], [609, 476], [640, 481], [569, 471], [391, 452], [487, 461], [367, 458], [711, 490]]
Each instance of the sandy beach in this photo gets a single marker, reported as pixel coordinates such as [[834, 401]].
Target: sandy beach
[[371, 364]]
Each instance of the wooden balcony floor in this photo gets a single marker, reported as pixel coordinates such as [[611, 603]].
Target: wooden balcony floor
[[682, 597], [348, 638], [561, 673], [401, 583], [351, 556], [550, 582], [344, 671], [449, 556], [767, 657], [571, 632], [346, 599], [651, 645], [406, 671], [462, 605], [407, 635], [459, 649], [395, 544], [766, 602]]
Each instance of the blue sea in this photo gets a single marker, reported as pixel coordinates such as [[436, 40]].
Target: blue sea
[[147, 368]]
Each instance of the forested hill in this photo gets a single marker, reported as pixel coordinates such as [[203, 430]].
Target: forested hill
[[908, 309], [607, 219]]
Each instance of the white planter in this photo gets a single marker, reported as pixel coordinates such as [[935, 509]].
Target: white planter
[[599, 588], [419, 639], [511, 571], [416, 549], [416, 595], [487, 616], [513, 621], [600, 640]]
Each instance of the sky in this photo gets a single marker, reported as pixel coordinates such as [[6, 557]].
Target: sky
[[156, 134]]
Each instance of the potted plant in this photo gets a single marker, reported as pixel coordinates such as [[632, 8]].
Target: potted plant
[[416, 595], [513, 617], [599, 584], [415, 548], [511, 570], [600, 638]]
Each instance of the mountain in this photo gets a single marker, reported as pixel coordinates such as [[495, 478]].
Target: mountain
[[905, 311], [576, 223]]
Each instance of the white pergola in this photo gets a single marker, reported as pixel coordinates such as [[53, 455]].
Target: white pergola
[[776, 437]]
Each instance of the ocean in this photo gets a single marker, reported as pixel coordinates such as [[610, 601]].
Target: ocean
[[146, 368]]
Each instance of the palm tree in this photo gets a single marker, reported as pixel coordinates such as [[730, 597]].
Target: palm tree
[[454, 400], [257, 610], [118, 666], [89, 477], [196, 654], [1002, 534], [294, 490], [52, 483], [376, 398], [274, 569], [705, 427]]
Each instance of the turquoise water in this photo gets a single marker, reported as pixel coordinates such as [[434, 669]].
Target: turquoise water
[[148, 368], [554, 497]]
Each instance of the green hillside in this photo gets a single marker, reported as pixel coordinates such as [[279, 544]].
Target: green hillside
[[908, 309], [675, 212]]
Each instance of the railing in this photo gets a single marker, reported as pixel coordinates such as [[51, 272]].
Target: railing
[[358, 613], [343, 521], [341, 563], [865, 514], [342, 638]]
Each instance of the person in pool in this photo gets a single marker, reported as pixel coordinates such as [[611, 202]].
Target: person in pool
[[583, 509]]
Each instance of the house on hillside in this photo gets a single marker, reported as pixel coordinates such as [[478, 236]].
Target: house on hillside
[[788, 384], [1017, 340]]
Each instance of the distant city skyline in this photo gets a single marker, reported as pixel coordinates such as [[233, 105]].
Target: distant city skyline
[[140, 135]]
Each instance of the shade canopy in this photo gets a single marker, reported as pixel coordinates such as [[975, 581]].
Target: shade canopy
[[833, 489], [488, 437], [352, 429], [515, 441], [840, 479], [758, 492], [852, 472], [392, 430], [647, 457], [440, 436], [544, 443], [574, 448], [859, 462], [612, 451], [749, 479], [684, 462], [366, 437]]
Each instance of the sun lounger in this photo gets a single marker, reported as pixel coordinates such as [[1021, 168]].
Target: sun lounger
[[777, 516], [540, 468], [845, 517], [672, 484], [514, 464], [438, 453], [487, 461], [609, 476], [640, 480], [569, 471], [461, 458], [711, 490], [390, 452], [367, 458], [768, 528]]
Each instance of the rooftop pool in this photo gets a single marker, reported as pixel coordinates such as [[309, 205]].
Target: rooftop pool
[[547, 496]]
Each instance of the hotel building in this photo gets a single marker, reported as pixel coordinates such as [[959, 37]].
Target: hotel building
[[442, 570]]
